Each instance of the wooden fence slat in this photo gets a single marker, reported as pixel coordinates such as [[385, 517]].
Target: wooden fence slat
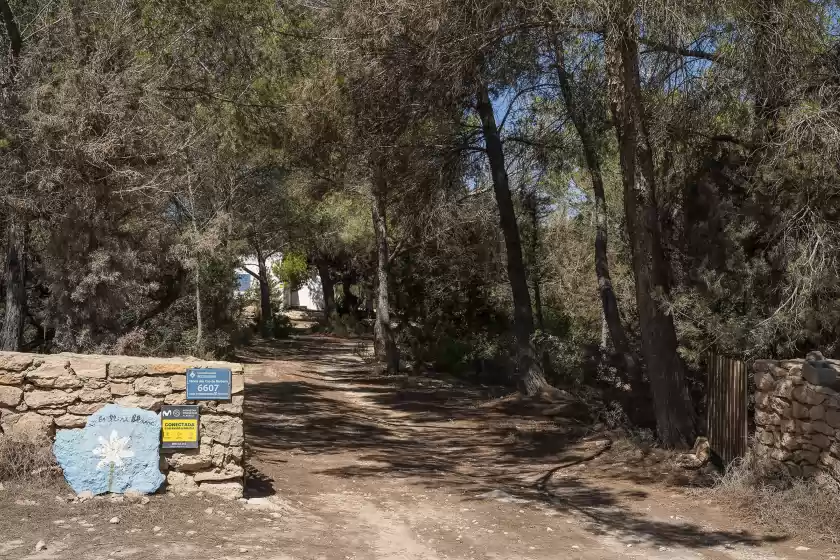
[[726, 406]]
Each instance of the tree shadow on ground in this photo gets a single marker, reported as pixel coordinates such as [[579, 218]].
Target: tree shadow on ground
[[443, 436]]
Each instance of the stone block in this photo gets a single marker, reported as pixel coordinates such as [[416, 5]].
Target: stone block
[[121, 389], [793, 470], [781, 407], [790, 442], [817, 412], [190, 461], [17, 361], [175, 398], [235, 368], [764, 381], [778, 372], [154, 386], [809, 471], [218, 454], [819, 373], [800, 411], [764, 436], [767, 418], [237, 384], [780, 455], [180, 482], [71, 421], [234, 406], [44, 399], [10, 396], [15, 378], [225, 490], [54, 374], [832, 465], [786, 387], [763, 366], [827, 391], [52, 411], [178, 382], [117, 451], [91, 383], [805, 456], [806, 394], [230, 472], [146, 402], [226, 430], [821, 427], [762, 400], [760, 449], [85, 409], [28, 427], [125, 368], [819, 441], [89, 368], [790, 364], [168, 368], [95, 395], [235, 454], [790, 426], [832, 418]]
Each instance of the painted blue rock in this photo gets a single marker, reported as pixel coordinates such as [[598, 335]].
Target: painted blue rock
[[117, 451]]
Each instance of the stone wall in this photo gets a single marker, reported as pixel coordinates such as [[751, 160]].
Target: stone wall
[[39, 394], [797, 414]]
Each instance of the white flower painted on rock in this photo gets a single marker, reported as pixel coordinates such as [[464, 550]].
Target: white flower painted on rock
[[113, 451]]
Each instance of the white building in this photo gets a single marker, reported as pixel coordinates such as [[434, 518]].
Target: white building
[[309, 296]]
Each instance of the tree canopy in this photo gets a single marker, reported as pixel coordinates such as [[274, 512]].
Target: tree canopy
[[546, 192]]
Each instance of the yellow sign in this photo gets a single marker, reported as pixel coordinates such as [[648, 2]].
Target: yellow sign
[[179, 425], [182, 430]]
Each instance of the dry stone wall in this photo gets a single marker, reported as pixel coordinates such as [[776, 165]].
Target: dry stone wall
[[39, 394], [797, 414]]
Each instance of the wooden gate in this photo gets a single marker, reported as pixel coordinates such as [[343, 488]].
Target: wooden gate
[[726, 407]]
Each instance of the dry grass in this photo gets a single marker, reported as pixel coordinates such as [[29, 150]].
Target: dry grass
[[807, 509], [26, 463]]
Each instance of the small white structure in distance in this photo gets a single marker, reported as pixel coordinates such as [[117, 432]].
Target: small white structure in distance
[[309, 296]]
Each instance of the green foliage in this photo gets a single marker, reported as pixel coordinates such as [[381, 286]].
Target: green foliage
[[292, 270]]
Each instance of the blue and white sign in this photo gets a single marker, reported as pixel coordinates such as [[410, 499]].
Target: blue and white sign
[[208, 384]]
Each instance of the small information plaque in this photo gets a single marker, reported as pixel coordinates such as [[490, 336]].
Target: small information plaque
[[208, 384], [179, 425]]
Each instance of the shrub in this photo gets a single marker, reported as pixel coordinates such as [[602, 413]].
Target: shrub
[[26, 463], [762, 491]]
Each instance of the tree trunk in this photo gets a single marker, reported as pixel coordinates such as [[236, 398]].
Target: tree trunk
[[385, 347], [675, 418], [328, 286], [351, 302], [266, 315], [531, 378], [11, 337], [199, 324], [536, 273], [609, 302]]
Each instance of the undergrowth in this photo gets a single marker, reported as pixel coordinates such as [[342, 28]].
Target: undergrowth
[[806, 509], [27, 463]]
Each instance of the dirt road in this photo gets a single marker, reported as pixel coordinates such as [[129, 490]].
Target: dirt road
[[406, 468], [365, 467]]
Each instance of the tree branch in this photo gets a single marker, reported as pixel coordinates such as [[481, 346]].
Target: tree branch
[[656, 46], [254, 274]]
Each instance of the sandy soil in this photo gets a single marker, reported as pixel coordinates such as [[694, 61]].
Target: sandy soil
[[354, 465]]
